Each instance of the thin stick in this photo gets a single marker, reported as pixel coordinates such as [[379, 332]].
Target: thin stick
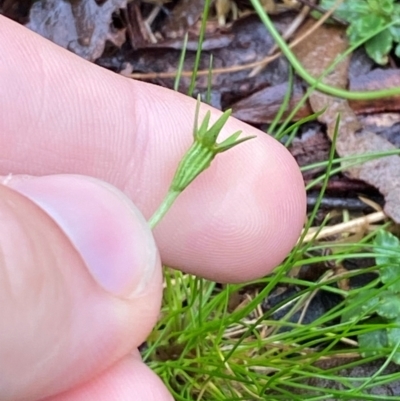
[[349, 226]]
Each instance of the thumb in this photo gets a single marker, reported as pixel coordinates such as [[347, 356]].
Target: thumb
[[80, 282]]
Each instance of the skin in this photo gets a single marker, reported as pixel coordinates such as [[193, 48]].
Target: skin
[[61, 115]]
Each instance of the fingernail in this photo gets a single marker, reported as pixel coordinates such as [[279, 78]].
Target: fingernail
[[105, 227]]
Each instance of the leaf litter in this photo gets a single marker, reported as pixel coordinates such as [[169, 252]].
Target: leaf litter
[[354, 138]]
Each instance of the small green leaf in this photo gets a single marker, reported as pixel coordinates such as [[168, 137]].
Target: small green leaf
[[397, 51], [361, 306], [396, 357], [379, 47], [388, 305], [210, 136], [387, 6], [232, 141], [394, 332], [357, 8], [373, 342], [385, 239], [381, 6], [388, 248], [395, 32], [393, 335], [202, 130], [347, 11], [368, 16], [371, 301], [363, 26]]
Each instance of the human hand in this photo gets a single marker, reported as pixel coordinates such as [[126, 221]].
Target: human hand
[[81, 291]]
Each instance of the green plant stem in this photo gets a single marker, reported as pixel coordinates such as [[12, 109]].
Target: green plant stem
[[163, 208], [202, 33], [181, 62], [330, 90], [284, 106], [198, 157]]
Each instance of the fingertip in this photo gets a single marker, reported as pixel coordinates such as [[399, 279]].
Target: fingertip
[[241, 217], [127, 380]]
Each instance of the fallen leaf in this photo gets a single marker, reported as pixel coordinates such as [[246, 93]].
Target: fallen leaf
[[82, 26], [316, 54], [376, 79], [262, 106], [386, 125]]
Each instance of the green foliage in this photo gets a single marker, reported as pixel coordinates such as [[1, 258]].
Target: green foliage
[[389, 259], [380, 306], [198, 157], [366, 16], [315, 83]]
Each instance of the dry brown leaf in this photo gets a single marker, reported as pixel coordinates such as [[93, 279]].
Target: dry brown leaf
[[376, 79], [82, 26], [262, 106], [317, 53]]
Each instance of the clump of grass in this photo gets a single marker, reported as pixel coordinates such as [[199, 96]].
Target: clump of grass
[[225, 342], [207, 348]]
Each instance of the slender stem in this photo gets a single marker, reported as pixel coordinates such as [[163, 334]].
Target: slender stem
[[163, 208], [330, 90], [199, 51]]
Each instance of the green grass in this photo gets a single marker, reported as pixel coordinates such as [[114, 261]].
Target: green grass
[[207, 347], [204, 350]]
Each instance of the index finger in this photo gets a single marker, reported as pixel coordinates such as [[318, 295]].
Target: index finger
[[60, 114]]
